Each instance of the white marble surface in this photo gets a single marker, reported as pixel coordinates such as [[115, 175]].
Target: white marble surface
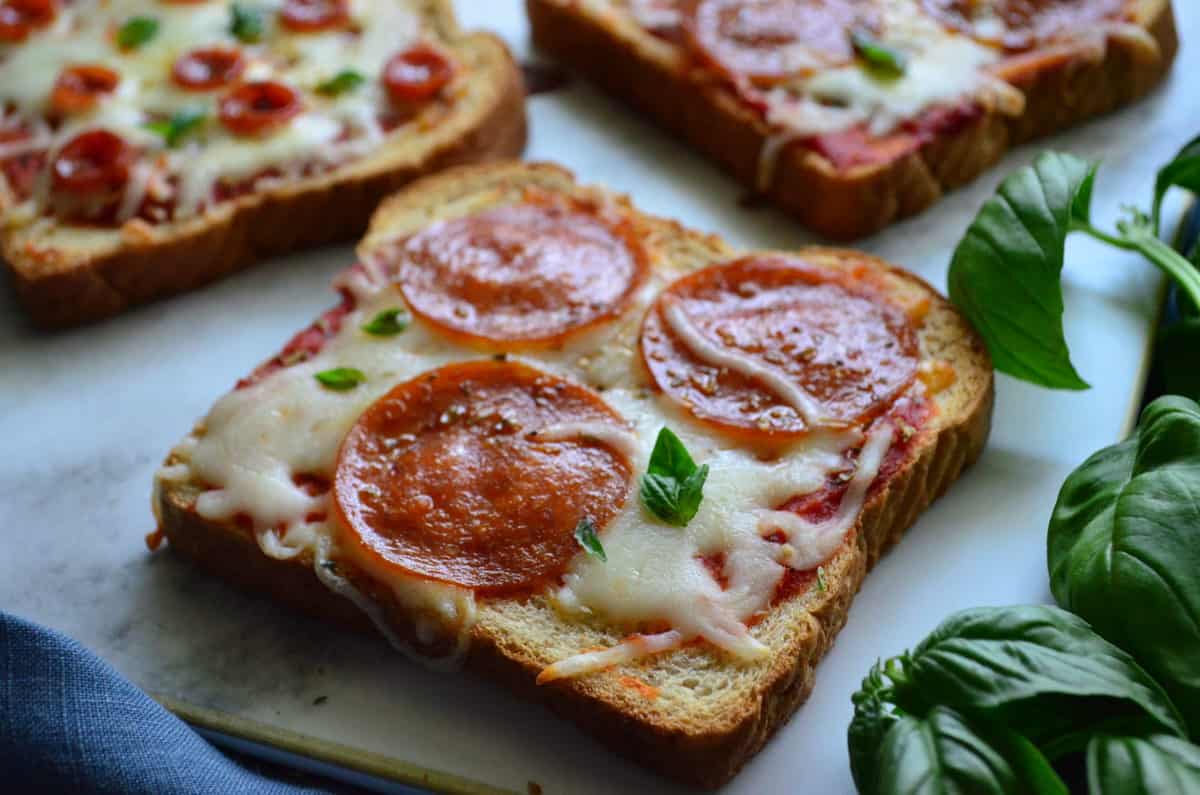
[[86, 415]]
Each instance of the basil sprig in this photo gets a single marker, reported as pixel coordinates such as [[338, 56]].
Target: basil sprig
[[179, 126], [1005, 275], [585, 534], [246, 23], [673, 485], [136, 31], [344, 81], [340, 378], [992, 699], [880, 58], [1123, 547], [387, 323]]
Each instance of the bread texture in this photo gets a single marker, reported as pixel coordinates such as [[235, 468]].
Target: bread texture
[[74, 275], [707, 714], [653, 76]]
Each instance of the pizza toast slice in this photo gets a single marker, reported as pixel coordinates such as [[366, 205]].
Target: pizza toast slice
[[613, 463], [147, 148], [853, 114]]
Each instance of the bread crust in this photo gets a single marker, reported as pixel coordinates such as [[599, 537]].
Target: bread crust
[[710, 752], [650, 75], [60, 288]]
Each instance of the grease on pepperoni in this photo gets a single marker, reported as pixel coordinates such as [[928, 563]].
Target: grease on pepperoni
[[94, 163], [19, 18], [312, 16], [520, 276], [259, 108], [740, 345], [416, 75], [1022, 24], [207, 68], [443, 477], [768, 40], [79, 88]]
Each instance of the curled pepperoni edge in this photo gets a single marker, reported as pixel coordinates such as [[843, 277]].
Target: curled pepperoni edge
[[206, 68], [19, 18], [259, 107], [313, 16], [95, 162], [417, 75], [78, 88]]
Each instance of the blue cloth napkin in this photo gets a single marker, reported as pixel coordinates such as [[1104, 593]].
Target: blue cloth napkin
[[70, 723]]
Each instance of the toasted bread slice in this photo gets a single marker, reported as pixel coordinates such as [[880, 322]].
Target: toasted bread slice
[[69, 274], [655, 76], [693, 714]]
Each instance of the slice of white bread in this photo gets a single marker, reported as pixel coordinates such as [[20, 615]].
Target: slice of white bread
[[67, 275], [654, 76], [708, 714]]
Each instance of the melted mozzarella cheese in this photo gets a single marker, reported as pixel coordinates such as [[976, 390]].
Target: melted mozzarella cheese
[[625, 652], [331, 130], [658, 572], [258, 439], [942, 68], [735, 361]]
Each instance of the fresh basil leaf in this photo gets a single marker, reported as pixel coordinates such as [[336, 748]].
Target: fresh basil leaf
[[343, 81], [1005, 275], [1179, 353], [387, 323], [691, 492], [873, 718], [821, 586], [585, 534], [1183, 172], [879, 58], [673, 486], [1157, 765], [669, 457], [246, 23], [179, 126], [341, 378], [1039, 670], [660, 495], [136, 31], [1124, 547], [943, 752]]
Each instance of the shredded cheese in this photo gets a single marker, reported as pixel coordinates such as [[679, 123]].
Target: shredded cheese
[[330, 130]]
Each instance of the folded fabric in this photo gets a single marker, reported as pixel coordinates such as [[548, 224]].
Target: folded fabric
[[70, 723]]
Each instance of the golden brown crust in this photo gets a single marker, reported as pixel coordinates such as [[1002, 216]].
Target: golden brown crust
[[703, 753], [60, 289], [648, 74]]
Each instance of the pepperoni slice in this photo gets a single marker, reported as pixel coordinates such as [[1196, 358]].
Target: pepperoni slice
[[767, 348], [311, 16], [19, 18], [207, 68], [94, 163], [257, 108], [767, 40], [1021, 24], [416, 75], [79, 88], [521, 276], [444, 477]]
